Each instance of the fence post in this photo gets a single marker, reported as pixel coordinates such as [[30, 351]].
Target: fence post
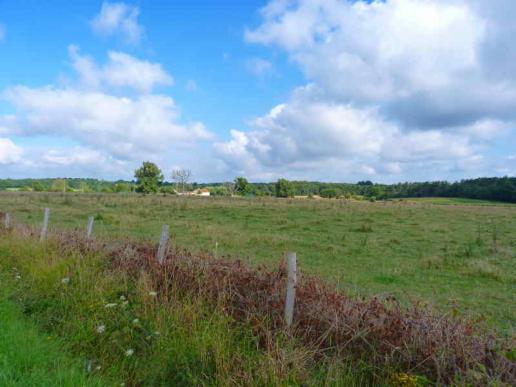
[[89, 229], [44, 229], [291, 287], [162, 244], [7, 221]]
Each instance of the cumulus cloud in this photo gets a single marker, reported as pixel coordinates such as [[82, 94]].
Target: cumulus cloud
[[92, 111], [9, 152], [394, 86], [306, 136], [118, 18], [415, 58], [121, 71]]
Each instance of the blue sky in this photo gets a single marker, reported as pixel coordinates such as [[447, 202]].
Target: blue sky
[[311, 89]]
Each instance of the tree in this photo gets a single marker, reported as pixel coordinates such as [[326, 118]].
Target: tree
[[330, 193], [148, 178], [59, 185], [242, 187], [181, 177], [230, 187], [284, 189]]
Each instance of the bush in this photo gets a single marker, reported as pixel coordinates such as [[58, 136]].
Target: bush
[[330, 193]]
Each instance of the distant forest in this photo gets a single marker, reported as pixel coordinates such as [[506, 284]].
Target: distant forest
[[486, 188]]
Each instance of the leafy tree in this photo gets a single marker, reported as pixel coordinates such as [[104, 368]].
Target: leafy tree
[[284, 189], [242, 186], [148, 178]]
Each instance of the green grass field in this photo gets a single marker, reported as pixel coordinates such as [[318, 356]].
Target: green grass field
[[30, 358], [459, 256]]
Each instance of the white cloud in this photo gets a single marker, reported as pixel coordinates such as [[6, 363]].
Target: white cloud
[[400, 88], [119, 18], [9, 152], [109, 111], [121, 70], [424, 62], [259, 67], [125, 127], [308, 136]]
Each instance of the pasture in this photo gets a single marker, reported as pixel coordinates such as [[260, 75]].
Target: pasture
[[457, 255]]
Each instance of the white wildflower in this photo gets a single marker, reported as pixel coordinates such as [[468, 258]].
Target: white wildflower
[[129, 352], [153, 294], [122, 298], [101, 329], [111, 305], [136, 321], [17, 276], [98, 367], [65, 280]]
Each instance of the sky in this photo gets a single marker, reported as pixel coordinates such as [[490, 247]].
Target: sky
[[327, 90]]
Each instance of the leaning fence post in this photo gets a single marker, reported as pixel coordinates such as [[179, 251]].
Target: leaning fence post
[[89, 229], [7, 221], [291, 287], [162, 243], [44, 229]]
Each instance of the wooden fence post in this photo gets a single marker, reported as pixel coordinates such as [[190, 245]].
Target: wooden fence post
[[89, 229], [44, 229], [291, 287], [7, 221], [163, 243]]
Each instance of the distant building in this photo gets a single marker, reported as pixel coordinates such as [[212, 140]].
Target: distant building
[[202, 192]]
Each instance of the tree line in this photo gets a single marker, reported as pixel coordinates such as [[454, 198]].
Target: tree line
[[150, 179]]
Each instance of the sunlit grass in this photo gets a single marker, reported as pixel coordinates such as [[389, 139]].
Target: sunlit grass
[[413, 250]]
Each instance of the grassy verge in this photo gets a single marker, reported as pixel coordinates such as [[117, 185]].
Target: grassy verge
[[197, 320], [119, 327], [29, 358]]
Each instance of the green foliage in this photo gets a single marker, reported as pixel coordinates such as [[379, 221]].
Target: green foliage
[[148, 178], [168, 190], [219, 191], [284, 189], [242, 186], [38, 186], [121, 187], [59, 185], [496, 188], [29, 358], [330, 193]]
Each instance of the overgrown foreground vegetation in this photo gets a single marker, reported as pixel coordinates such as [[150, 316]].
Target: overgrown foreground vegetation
[[459, 257], [201, 320]]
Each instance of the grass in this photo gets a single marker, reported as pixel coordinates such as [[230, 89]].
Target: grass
[[117, 325], [459, 257], [30, 358]]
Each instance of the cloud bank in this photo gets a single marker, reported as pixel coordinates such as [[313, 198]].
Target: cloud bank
[[396, 89]]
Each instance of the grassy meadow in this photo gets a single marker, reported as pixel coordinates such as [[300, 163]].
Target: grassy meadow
[[456, 254]]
